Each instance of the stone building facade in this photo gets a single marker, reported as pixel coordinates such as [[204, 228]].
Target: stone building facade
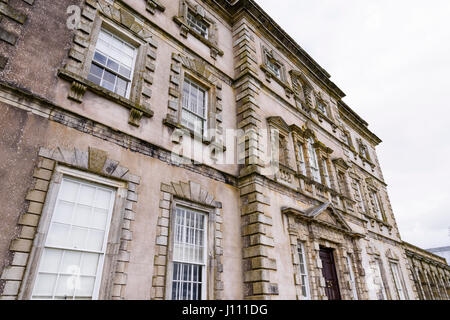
[[97, 99]]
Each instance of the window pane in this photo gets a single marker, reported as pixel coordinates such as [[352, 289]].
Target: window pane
[[108, 85], [121, 88], [96, 71], [71, 263], [66, 286], [94, 79], [124, 71], [99, 219], [95, 240], [100, 58], [110, 77], [44, 285], [51, 259], [78, 238], [187, 282], [58, 235], [85, 286], [103, 198], [69, 191], [83, 216], [114, 66], [63, 212], [90, 264]]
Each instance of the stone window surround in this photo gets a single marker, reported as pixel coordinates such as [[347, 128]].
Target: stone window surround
[[349, 255], [319, 97], [26, 249], [348, 138], [184, 67], [100, 14], [396, 260], [271, 55], [362, 146], [303, 91], [277, 124], [308, 266], [375, 191], [374, 256], [196, 9], [193, 195], [301, 136], [344, 167], [210, 244], [328, 168], [359, 180], [373, 185]]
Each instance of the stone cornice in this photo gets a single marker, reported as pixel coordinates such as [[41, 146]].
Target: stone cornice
[[229, 10], [357, 123], [417, 252]]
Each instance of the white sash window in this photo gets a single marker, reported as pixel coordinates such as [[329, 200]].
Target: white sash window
[[398, 281], [72, 260], [303, 271], [189, 255], [195, 102], [113, 64], [376, 204], [313, 161], [322, 108], [326, 175], [352, 277], [301, 159], [198, 25], [382, 294], [360, 196]]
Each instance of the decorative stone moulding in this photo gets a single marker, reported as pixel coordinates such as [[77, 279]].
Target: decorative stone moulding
[[181, 19], [154, 5], [80, 55], [198, 69], [195, 194], [79, 87]]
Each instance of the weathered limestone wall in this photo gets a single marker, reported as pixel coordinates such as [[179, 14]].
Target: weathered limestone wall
[[22, 147], [40, 40], [21, 134]]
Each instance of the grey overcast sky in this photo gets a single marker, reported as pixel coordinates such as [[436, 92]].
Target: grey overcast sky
[[392, 59]]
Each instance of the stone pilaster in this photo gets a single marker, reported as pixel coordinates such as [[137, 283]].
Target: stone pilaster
[[258, 244]]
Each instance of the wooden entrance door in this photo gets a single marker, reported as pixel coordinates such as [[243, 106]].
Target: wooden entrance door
[[329, 273]]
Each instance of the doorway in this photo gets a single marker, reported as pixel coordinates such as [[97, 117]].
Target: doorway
[[329, 273]]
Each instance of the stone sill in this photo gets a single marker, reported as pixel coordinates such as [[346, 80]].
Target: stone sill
[[322, 117], [127, 103], [194, 135], [366, 160], [369, 218]]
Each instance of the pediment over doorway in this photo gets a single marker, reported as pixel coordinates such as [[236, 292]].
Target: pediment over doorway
[[324, 214]]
